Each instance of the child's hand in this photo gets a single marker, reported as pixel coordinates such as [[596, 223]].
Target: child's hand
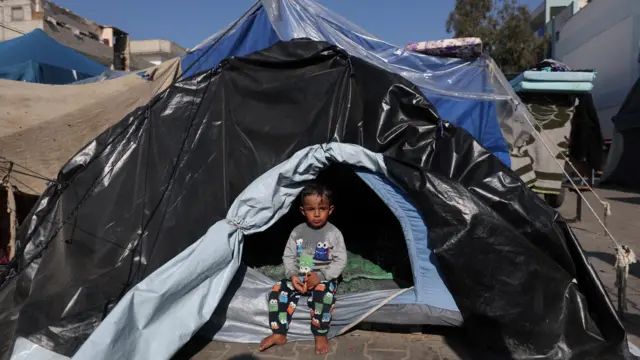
[[298, 285], [311, 280]]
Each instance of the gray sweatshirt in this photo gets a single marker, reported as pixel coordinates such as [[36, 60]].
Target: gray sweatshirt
[[326, 245]]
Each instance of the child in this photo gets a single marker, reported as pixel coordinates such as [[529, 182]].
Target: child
[[313, 258]]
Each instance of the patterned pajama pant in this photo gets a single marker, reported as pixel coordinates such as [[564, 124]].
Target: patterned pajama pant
[[283, 300]]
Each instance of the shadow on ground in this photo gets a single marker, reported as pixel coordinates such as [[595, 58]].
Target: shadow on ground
[[631, 318], [634, 200], [613, 187], [192, 348], [634, 269], [197, 344]]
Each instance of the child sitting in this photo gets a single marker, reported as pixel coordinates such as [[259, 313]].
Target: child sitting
[[313, 258]]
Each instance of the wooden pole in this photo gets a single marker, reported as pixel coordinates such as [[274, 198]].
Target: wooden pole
[[11, 207]]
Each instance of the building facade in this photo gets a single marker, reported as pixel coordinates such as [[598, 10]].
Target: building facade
[[156, 51], [604, 36], [542, 15], [599, 35], [107, 45], [18, 17]]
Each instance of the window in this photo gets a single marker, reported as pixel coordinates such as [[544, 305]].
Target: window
[[17, 14]]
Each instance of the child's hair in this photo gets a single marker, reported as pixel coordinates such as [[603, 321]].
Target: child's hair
[[317, 189]]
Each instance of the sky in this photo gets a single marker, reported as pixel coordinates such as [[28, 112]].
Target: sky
[[188, 22]]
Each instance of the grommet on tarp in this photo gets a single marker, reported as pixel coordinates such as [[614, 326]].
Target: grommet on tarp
[[624, 257]]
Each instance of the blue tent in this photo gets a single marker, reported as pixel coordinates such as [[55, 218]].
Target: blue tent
[[35, 57], [471, 94]]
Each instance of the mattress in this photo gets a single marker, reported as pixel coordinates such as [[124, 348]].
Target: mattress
[[561, 76], [457, 48], [553, 86]]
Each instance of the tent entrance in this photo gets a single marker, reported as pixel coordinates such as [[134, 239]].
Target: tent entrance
[[378, 255]]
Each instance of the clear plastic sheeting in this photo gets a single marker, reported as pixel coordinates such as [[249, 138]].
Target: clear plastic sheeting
[[445, 81], [472, 94], [434, 75]]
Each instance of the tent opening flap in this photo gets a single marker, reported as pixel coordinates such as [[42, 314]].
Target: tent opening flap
[[378, 255]]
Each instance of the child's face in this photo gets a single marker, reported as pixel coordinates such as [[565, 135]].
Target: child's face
[[316, 209]]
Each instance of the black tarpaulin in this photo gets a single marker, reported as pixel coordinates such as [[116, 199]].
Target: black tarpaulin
[[153, 184]]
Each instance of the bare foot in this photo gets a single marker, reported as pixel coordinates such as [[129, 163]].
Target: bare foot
[[275, 339], [322, 345]]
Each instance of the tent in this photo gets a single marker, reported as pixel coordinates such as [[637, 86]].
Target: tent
[[42, 128], [471, 93], [37, 58], [148, 229], [621, 168]]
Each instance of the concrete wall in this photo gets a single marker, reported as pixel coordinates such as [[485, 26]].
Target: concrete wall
[[604, 36], [156, 51], [11, 28], [154, 59], [164, 48]]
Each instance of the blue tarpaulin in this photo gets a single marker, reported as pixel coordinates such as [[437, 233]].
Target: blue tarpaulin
[[35, 57], [464, 92]]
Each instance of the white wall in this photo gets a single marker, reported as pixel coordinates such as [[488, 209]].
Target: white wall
[[14, 29], [604, 36], [154, 59], [558, 3]]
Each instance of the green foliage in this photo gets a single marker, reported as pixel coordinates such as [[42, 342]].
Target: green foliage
[[503, 26]]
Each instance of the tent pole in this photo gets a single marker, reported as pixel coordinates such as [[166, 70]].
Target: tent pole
[[374, 309]]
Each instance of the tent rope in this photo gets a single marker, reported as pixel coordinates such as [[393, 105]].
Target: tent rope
[[624, 255], [605, 204], [11, 205]]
